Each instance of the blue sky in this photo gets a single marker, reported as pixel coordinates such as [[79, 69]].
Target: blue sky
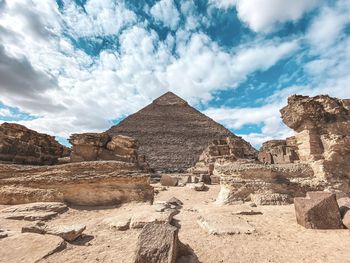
[[78, 66]]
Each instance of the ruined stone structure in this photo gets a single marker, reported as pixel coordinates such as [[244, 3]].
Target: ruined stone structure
[[322, 133], [279, 151], [171, 134], [101, 146], [21, 145], [316, 158], [264, 184], [82, 183], [229, 149]]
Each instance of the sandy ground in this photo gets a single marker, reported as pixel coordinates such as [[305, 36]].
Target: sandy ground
[[278, 238]]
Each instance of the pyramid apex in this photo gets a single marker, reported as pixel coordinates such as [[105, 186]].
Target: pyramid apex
[[169, 98]]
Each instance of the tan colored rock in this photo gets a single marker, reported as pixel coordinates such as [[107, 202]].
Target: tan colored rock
[[318, 210], [344, 205], [29, 247], [21, 145], [67, 232], [322, 133], [158, 243], [120, 223], [101, 146], [82, 183]]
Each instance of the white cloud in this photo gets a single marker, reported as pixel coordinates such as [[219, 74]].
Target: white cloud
[[224, 4], [5, 113], [166, 12], [328, 26], [264, 15]]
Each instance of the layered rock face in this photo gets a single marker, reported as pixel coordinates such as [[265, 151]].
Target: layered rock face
[[322, 126], [21, 145], [82, 183], [229, 149], [101, 146], [279, 151], [263, 184], [172, 134]]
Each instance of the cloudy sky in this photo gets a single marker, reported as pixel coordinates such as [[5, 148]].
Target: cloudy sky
[[75, 66]]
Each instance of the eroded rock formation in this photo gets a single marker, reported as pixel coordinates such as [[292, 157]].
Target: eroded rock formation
[[82, 183], [21, 145], [322, 133], [172, 134], [101, 146]]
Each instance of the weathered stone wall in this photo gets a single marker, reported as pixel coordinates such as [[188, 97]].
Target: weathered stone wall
[[101, 146], [82, 183], [322, 132], [278, 151], [21, 145]]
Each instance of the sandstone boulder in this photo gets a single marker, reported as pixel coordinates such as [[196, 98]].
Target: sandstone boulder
[[168, 180], [318, 210], [158, 243], [82, 183], [21, 145]]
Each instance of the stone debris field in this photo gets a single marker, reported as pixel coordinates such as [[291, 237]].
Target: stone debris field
[[170, 185]]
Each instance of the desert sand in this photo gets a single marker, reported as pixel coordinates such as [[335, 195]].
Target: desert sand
[[276, 236]]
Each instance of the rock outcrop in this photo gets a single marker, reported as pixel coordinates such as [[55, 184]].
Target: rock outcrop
[[172, 134], [101, 146], [279, 151], [21, 145], [319, 210], [273, 184], [82, 183], [322, 133]]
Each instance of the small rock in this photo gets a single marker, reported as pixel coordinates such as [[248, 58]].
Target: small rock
[[162, 207], [197, 187], [344, 205], [175, 201], [139, 220], [118, 222], [253, 205]]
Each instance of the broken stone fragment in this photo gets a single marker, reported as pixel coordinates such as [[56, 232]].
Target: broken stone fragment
[[67, 232], [118, 222], [344, 209], [158, 243], [318, 210], [34, 211], [175, 201], [223, 223], [197, 187], [140, 219]]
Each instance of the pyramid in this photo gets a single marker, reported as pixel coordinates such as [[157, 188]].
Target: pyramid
[[171, 133]]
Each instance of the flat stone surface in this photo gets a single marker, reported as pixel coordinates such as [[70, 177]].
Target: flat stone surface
[[27, 247], [224, 224]]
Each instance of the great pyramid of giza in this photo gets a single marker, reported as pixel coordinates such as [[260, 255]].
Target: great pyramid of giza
[[172, 134]]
